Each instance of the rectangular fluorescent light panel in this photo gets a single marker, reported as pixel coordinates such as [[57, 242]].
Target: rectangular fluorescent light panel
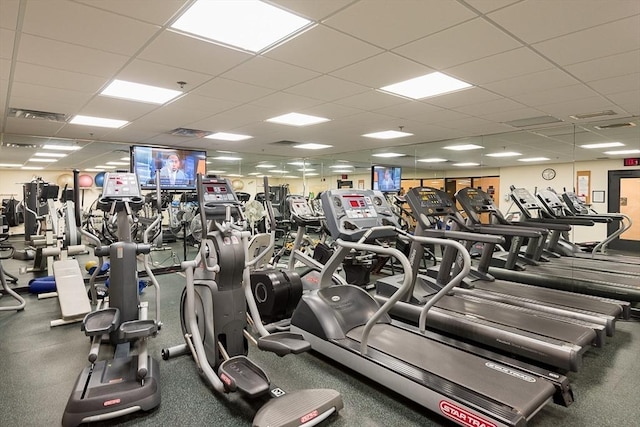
[[432, 160], [388, 155], [224, 136], [464, 147], [534, 159], [98, 121], [230, 158], [312, 146], [139, 92], [61, 147], [265, 165], [466, 164], [32, 168], [9, 165], [505, 154], [297, 119], [622, 152], [249, 24], [43, 160], [432, 84], [118, 163], [41, 154], [603, 145], [387, 134]]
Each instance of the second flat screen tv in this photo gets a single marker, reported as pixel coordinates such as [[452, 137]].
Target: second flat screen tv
[[386, 178], [177, 168]]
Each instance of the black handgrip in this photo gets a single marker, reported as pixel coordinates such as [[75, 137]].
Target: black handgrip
[[101, 251]]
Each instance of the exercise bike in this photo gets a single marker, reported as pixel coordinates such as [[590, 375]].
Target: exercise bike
[[127, 382], [214, 317]]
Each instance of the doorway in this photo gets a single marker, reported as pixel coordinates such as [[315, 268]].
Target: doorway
[[624, 188]]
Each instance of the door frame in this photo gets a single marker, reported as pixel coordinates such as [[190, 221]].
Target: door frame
[[613, 204]]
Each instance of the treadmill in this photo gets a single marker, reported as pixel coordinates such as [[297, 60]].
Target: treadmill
[[565, 252], [346, 324], [558, 276]]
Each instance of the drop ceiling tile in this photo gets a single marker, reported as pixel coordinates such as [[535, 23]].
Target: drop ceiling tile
[[165, 76], [566, 93], [607, 66], [390, 24], [382, 70], [151, 11], [177, 50], [170, 116], [604, 40], [236, 117], [61, 79], [629, 101], [200, 106], [269, 73], [323, 50], [515, 114], [6, 43], [466, 42], [231, 90], [32, 127], [442, 116], [286, 101], [495, 106], [66, 56], [564, 109], [472, 95], [327, 88], [9, 14], [331, 110], [113, 108], [95, 29], [72, 131], [534, 82], [534, 21], [486, 6], [5, 69], [313, 10], [630, 82], [47, 96], [411, 110], [371, 100], [499, 67]]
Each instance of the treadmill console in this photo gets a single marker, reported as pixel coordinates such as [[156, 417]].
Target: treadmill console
[[476, 199], [430, 202], [524, 199], [301, 211], [350, 213], [216, 194], [574, 203], [121, 186], [551, 200]]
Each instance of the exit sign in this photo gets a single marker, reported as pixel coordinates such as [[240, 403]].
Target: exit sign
[[632, 161]]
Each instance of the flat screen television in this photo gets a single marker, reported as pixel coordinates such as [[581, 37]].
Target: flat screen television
[[177, 167], [386, 178]]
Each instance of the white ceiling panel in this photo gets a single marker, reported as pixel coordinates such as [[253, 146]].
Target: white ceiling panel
[[485, 108], [95, 30], [607, 66], [499, 67], [5, 69], [542, 80], [486, 6], [66, 56], [542, 97], [9, 14], [50, 96], [534, 21], [231, 90], [113, 108], [239, 116], [286, 102], [411, 110], [332, 111], [151, 11], [180, 51], [469, 96], [463, 43], [564, 109], [628, 100], [269, 73], [618, 84], [30, 126], [382, 70], [515, 114], [165, 76], [7, 38], [313, 10], [61, 79], [604, 40], [323, 50], [390, 24], [327, 88], [371, 100]]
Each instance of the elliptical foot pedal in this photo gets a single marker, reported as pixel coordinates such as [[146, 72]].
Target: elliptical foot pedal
[[135, 329], [101, 322], [299, 408], [282, 343], [241, 374]]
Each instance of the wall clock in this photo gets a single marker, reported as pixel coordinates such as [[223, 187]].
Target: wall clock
[[549, 174]]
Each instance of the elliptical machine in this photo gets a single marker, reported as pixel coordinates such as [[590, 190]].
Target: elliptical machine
[[126, 383], [214, 317]]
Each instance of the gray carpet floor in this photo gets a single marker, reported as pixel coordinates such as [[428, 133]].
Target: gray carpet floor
[[39, 366]]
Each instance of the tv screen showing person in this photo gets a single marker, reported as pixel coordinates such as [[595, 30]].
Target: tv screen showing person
[[386, 182], [171, 172]]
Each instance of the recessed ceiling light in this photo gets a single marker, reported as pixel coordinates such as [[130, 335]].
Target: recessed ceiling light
[[118, 163], [254, 173], [463, 147], [249, 24], [125, 158], [298, 163], [432, 160], [387, 134], [311, 174], [306, 170], [278, 171], [297, 119], [234, 175], [312, 146], [533, 159], [388, 155], [622, 152], [61, 147], [432, 84], [265, 165], [466, 164], [224, 136], [43, 160], [230, 158], [98, 121], [139, 92], [32, 168], [342, 166], [50, 154], [214, 172], [603, 145], [10, 165], [504, 154], [342, 171]]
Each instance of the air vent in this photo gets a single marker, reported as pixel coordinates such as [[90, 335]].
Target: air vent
[[594, 115], [21, 113], [616, 126], [189, 133], [285, 142], [533, 121]]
